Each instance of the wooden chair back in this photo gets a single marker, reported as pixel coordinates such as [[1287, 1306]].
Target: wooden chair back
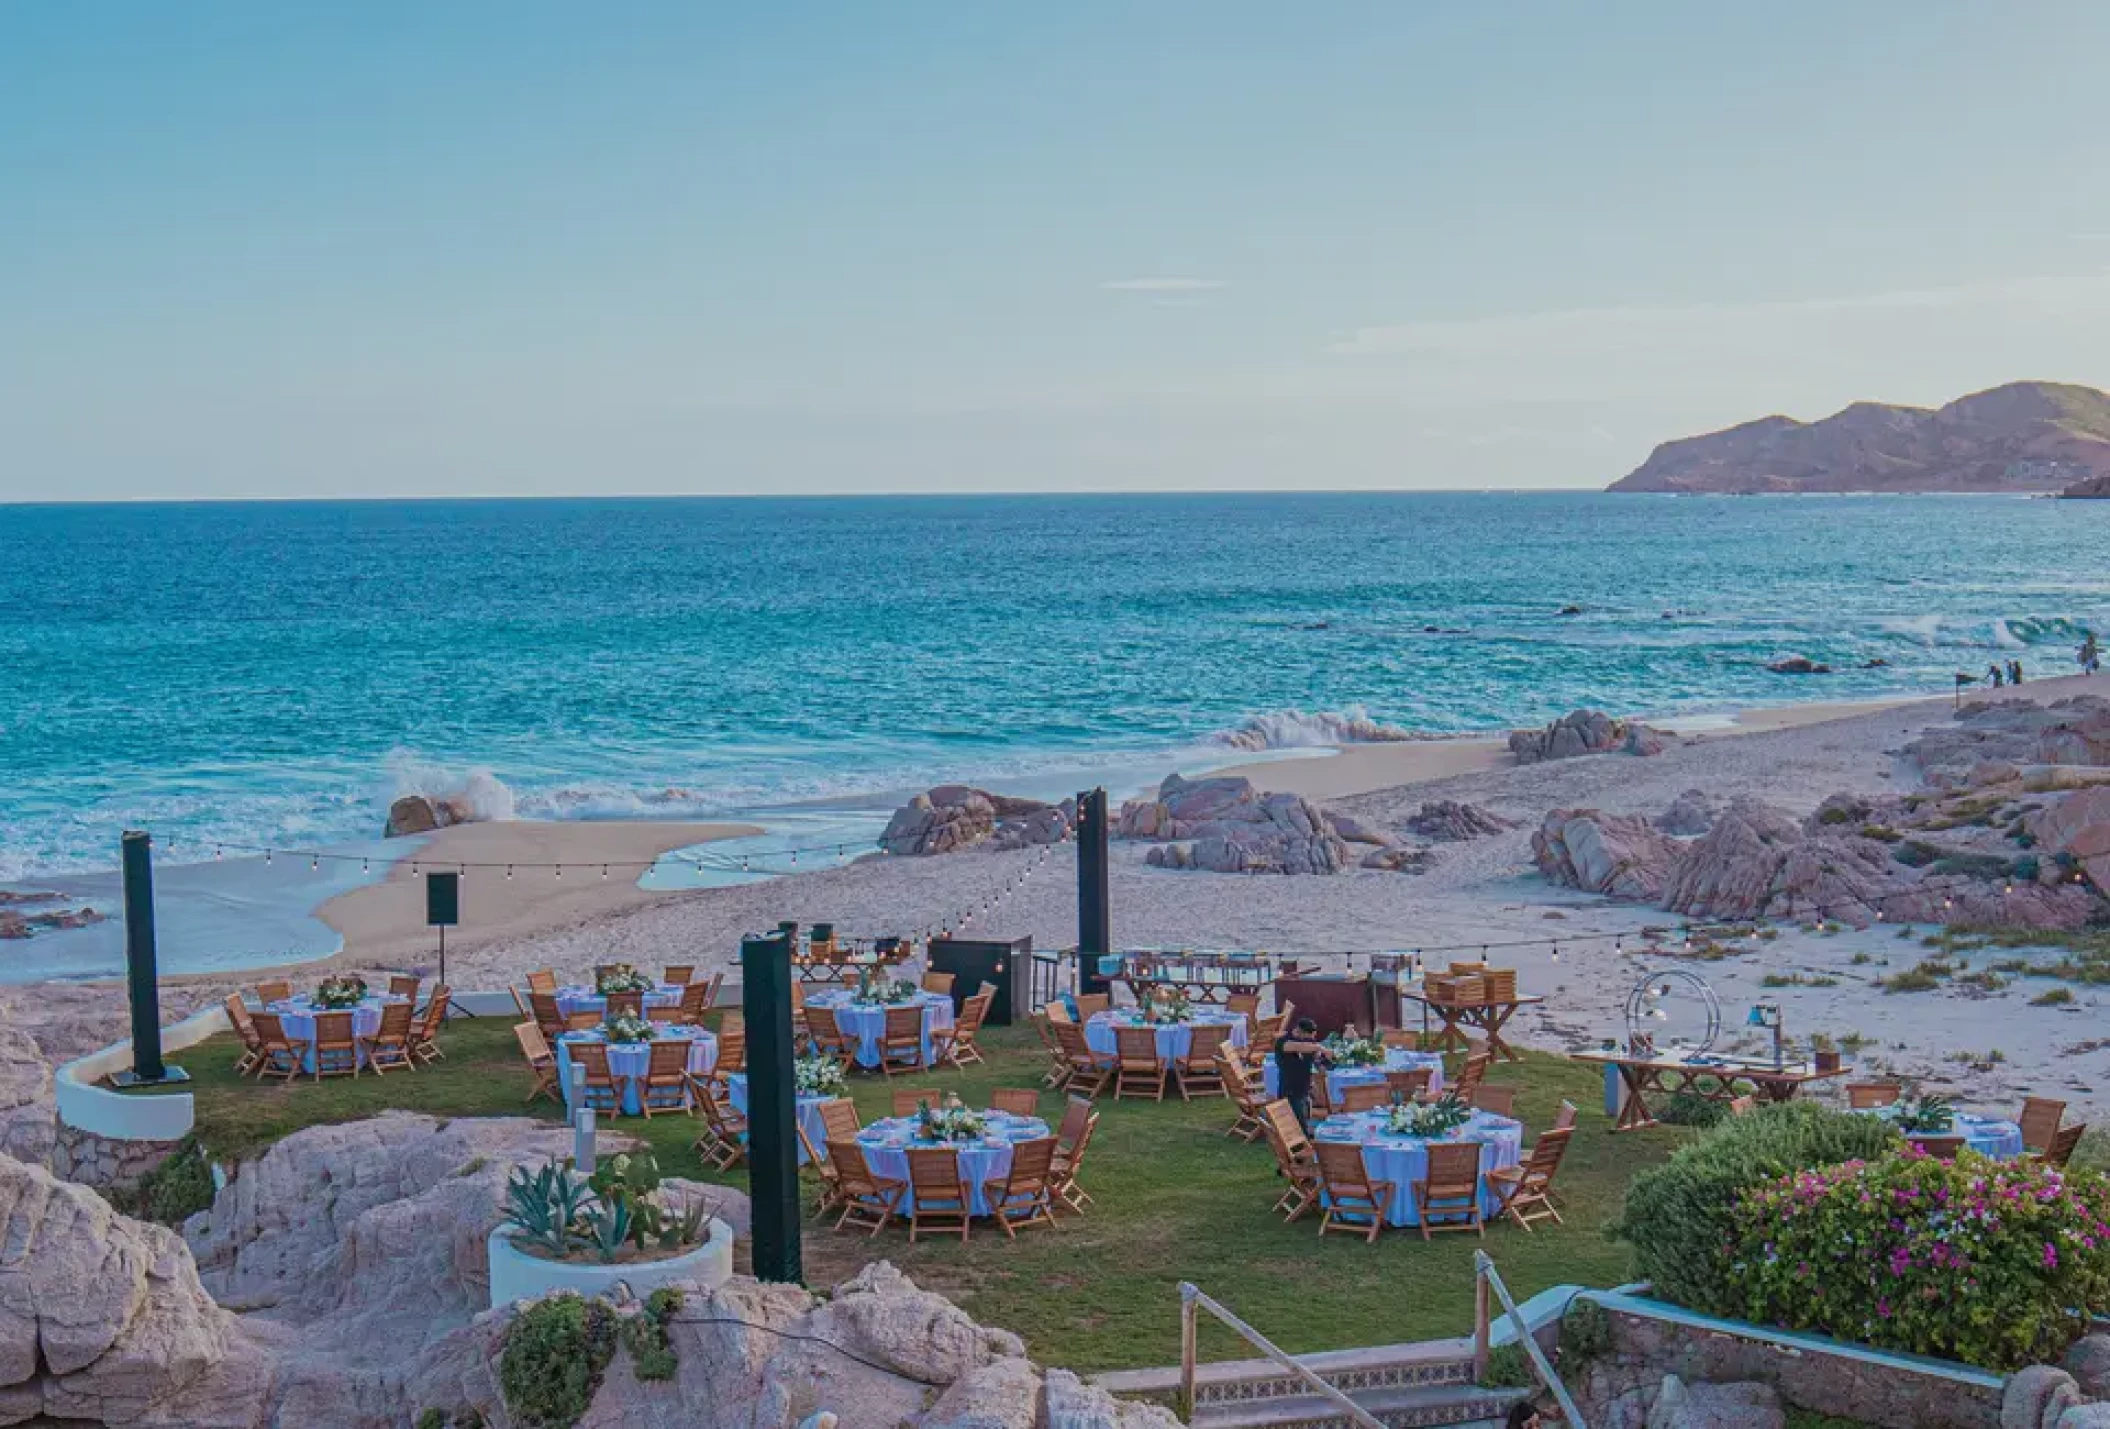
[[1057, 1011], [839, 1119], [548, 1016], [1017, 1101], [533, 1045], [1246, 1005], [1364, 1096], [626, 1004], [934, 1173], [1864, 1096], [669, 1063], [527, 1013], [732, 1053], [1454, 1170], [395, 1023], [1342, 1167], [238, 1018], [1470, 1076], [1204, 1040], [825, 1032], [1091, 1004], [1564, 1119], [1285, 1124], [1136, 1048], [405, 985], [1400, 1039], [2040, 1122], [336, 1045], [542, 981], [2063, 1144], [270, 992], [909, 1100], [903, 1034], [663, 1015], [1410, 1082], [679, 974], [1031, 1163], [1501, 1101], [1076, 1116], [1941, 1148], [940, 983]]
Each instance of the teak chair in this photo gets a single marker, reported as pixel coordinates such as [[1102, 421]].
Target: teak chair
[[1501, 1101], [2062, 1146], [1527, 1189], [940, 983], [1564, 1119], [542, 981], [1266, 1033], [661, 1015], [1079, 1122], [901, 1043], [270, 992], [1296, 1160], [827, 1036], [1090, 1072], [839, 1119], [1238, 1085], [252, 1045], [2040, 1122], [425, 1035], [336, 1046], [1448, 1197], [723, 1144], [626, 1004], [1246, 1005], [1471, 1075], [815, 1159], [696, 1000], [1091, 1004], [1196, 1072], [548, 1016], [908, 1100], [1941, 1148], [1138, 1070], [869, 1201], [1865, 1096], [1058, 1070], [527, 1013], [1351, 1201], [1018, 1101], [1399, 1039], [390, 1044], [405, 985], [678, 974], [665, 1085], [1364, 1096], [600, 1092], [1411, 1082], [955, 1045], [943, 1201], [277, 1056], [542, 1062], [1025, 1195]]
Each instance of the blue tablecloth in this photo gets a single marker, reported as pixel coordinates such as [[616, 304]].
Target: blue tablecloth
[[887, 1142], [866, 1021], [1987, 1135], [1404, 1160], [628, 1061], [1397, 1059], [1174, 1038], [572, 1000], [296, 1017], [809, 1114]]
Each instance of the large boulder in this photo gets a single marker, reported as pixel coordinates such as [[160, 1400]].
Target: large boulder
[[2088, 1361], [24, 915], [28, 1113], [2078, 825], [2035, 1396], [2072, 731], [1716, 1406], [1225, 825], [1616, 854], [1449, 821], [1690, 814], [952, 817], [1585, 732]]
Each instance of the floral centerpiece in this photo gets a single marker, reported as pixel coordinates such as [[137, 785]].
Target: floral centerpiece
[[340, 992], [1428, 1120], [950, 1122], [1352, 1049], [624, 1028], [1166, 1007], [878, 987], [1926, 1115], [819, 1077], [617, 1213], [622, 977]]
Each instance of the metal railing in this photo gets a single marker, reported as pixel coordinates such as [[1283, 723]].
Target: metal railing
[[1485, 1279], [1192, 1300]]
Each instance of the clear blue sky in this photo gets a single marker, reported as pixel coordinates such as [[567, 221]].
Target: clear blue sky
[[267, 249]]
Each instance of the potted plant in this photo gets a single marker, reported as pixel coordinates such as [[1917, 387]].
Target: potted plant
[[1824, 1052], [565, 1231]]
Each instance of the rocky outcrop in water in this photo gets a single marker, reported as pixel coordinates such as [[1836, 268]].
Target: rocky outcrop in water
[[1225, 825], [952, 817], [41, 916], [1586, 732], [1449, 821]]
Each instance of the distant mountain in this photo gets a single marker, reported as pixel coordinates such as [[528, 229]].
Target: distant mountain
[[2026, 437]]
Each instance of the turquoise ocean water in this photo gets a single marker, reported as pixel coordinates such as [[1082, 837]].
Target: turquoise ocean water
[[274, 674]]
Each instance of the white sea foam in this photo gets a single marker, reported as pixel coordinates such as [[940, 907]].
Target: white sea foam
[[481, 792], [1295, 729], [2011, 632]]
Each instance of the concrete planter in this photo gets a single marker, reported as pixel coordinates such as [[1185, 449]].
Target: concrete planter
[[516, 1275]]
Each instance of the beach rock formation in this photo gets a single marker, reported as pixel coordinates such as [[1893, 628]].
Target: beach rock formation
[[2026, 437], [1690, 814], [1449, 821], [480, 798], [45, 918], [1615, 854], [1225, 825], [1398, 859], [2093, 488], [1798, 665], [28, 1110], [1744, 1405], [952, 817], [2078, 826], [1585, 732], [2071, 732]]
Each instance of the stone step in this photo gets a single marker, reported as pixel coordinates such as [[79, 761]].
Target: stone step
[[1427, 1364], [1414, 1408]]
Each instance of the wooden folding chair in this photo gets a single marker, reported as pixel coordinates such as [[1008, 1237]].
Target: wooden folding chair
[[252, 1045], [544, 981], [901, 1044], [839, 1119], [1091, 1004], [1527, 1189], [390, 1044], [2040, 1122], [869, 1201], [1412, 1083], [405, 985], [661, 1015], [1018, 1101], [831, 1185], [1351, 1200], [1266, 1033], [1026, 1194], [1866, 1096], [1090, 1072], [909, 1100], [940, 983], [602, 1094], [425, 1035], [1246, 1005], [1471, 1075], [1238, 1085], [955, 1045], [695, 1001], [1364, 1096], [336, 1046], [548, 1016], [1197, 1072], [1448, 1197], [625, 1004], [1058, 1070], [1500, 1100], [723, 1144], [1294, 1156], [827, 1036], [679, 974], [276, 1054], [665, 1085], [1079, 1123], [1138, 1070], [943, 1200], [2063, 1145], [270, 992], [1399, 1039], [541, 1061], [527, 1013]]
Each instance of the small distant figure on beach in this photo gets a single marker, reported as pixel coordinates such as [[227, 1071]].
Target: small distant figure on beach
[[2090, 655], [2014, 672], [1993, 675]]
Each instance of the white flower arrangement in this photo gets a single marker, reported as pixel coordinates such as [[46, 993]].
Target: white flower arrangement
[[819, 1077], [340, 993], [1429, 1120], [627, 1029], [950, 1123], [622, 977]]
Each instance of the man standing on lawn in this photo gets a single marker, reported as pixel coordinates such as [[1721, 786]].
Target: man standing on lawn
[[1297, 1053]]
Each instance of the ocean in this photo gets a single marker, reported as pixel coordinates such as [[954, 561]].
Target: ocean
[[276, 673]]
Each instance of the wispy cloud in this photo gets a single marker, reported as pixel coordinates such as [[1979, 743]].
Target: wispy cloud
[[1163, 285]]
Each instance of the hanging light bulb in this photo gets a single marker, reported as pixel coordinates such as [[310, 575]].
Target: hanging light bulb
[[604, 870], [461, 871], [509, 871], [1556, 952], [365, 866], [216, 852], [560, 870], [314, 863]]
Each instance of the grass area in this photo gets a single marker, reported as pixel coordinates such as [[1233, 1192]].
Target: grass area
[[1176, 1200]]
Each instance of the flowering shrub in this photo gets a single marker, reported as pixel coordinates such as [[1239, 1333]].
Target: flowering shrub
[[1989, 1262]]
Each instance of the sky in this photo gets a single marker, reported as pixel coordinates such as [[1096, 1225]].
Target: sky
[[401, 249]]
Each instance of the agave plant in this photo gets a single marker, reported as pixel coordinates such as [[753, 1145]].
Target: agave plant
[[609, 1227], [1925, 1115], [546, 1207]]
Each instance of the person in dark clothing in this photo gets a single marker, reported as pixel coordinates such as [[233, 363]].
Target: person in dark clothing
[[1298, 1053], [2014, 672], [1524, 1415], [1992, 674]]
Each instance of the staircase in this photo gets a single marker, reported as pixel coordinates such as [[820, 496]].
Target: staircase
[[1402, 1386]]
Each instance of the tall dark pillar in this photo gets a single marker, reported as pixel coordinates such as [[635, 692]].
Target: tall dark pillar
[[147, 1067], [772, 1105], [1095, 934]]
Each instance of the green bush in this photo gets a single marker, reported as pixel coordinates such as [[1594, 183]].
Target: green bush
[[1691, 1109], [172, 1192], [555, 1353], [1509, 1368], [1679, 1216], [1995, 1263]]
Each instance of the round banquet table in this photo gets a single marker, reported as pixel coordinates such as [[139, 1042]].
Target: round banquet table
[[1173, 1037], [1987, 1135], [809, 1114], [628, 1061], [1397, 1059], [886, 1144], [296, 1015], [866, 1021], [1404, 1160], [576, 998]]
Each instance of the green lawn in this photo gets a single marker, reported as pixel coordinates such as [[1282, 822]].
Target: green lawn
[[1176, 1200]]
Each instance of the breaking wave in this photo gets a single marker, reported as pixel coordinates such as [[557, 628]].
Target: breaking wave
[[2015, 632], [1294, 729]]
